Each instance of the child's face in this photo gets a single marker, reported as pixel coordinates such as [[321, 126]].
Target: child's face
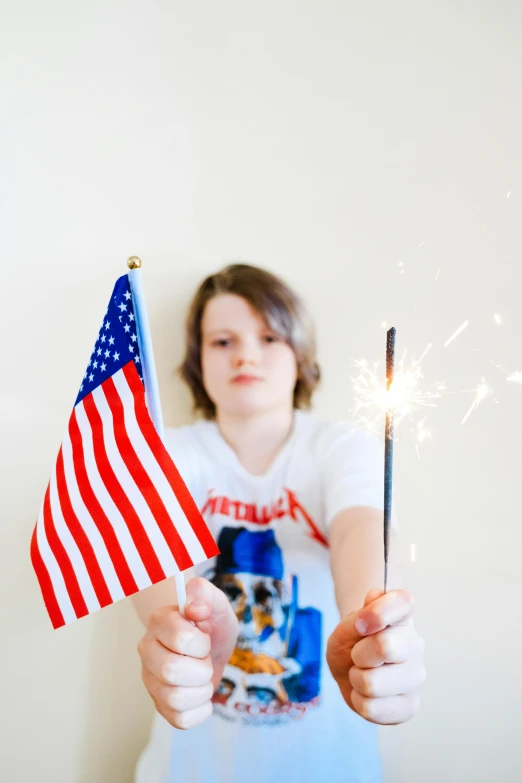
[[247, 368]]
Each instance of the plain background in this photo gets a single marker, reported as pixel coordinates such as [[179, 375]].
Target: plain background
[[339, 144]]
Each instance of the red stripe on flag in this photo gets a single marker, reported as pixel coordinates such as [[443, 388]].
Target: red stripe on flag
[[62, 558], [80, 536], [143, 480], [46, 585], [139, 534], [97, 513], [166, 464]]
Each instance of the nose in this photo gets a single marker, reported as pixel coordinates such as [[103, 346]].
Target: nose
[[247, 354]]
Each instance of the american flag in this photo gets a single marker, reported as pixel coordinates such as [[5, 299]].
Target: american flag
[[117, 516]]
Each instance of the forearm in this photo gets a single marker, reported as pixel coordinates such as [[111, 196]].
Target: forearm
[[357, 556]]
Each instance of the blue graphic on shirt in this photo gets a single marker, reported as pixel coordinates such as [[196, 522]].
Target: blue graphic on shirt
[[274, 672]]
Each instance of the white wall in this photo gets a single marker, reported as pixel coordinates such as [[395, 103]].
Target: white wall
[[329, 142]]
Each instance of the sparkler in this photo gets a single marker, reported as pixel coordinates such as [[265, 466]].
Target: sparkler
[[400, 397], [404, 396], [388, 450]]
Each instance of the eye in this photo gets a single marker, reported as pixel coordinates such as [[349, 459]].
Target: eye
[[262, 596], [272, 338], [221, 343], [232, 592]]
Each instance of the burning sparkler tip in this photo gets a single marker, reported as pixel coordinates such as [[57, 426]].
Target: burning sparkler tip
[[403, 396]]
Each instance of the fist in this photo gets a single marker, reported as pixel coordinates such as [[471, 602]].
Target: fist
[[183, 657], [376, 657]]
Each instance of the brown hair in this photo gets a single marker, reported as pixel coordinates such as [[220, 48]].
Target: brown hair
[[281, 308]]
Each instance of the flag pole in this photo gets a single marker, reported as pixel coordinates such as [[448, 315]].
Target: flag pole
[[148, 367]]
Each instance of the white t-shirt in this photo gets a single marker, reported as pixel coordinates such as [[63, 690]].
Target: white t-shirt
[[278, 713]]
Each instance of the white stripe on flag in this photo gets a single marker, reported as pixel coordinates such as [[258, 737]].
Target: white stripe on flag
[[130, 487], [149, 462], [91, 531], [55, 574], [111, 510], [71, 547]]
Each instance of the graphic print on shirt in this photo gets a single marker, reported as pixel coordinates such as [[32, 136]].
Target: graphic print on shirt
[[273, 675], [287, 505]]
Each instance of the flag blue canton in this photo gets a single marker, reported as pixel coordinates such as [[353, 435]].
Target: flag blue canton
[[117, 341]]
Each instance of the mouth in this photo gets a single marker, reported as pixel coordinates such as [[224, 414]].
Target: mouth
[[245, 379]]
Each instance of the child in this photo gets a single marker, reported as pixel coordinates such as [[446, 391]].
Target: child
[[271, 685]]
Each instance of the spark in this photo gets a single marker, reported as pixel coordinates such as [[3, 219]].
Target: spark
[[401, 267], [498, 366], [422, 434], [403, 398], [438, 273], [456, 334], [413, 553], [384, 324], [497, 318], [514, 377], [481, 392], [422, 431], [508, 194]]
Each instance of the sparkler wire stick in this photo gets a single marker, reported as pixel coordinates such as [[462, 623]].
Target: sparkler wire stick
[[388, 451]]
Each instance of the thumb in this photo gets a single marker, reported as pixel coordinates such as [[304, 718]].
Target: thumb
[[345, 637], [348, 626], [372, 595], [208, 607]]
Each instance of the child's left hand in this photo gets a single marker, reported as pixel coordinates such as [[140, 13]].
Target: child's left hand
[[376, 657]]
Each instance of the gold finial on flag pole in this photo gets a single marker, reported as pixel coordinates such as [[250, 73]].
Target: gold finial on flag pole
[[134, 262]]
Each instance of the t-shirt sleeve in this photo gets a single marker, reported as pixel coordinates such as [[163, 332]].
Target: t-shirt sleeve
[[352, 470]]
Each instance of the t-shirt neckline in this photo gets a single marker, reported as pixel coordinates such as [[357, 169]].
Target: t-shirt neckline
[[233, 459]]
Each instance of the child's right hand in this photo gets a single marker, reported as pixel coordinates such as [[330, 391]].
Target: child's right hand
[[182, 663]]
